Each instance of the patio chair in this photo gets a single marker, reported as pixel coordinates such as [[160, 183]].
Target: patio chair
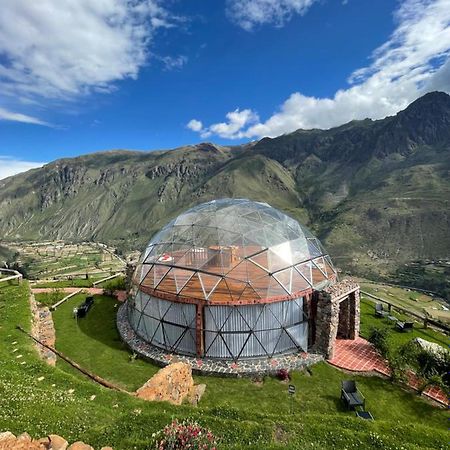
[[379, 310], [404, 326], [351, 395]]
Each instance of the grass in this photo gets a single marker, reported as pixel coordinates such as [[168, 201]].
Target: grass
[[243, 414], [397, 338], [414, 301]]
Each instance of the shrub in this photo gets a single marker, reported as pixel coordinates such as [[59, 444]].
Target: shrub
[[378, 337], [187, 434], [116, 284]]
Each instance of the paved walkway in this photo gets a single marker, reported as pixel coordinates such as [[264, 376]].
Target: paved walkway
[[121, 295], [360, 355]]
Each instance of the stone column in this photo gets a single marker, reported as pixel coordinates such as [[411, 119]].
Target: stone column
[[354, 299], [326, 324]]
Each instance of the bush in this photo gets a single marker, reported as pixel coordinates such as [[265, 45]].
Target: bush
[[432, 367], [116, 284], [378, 337], [187, 434]]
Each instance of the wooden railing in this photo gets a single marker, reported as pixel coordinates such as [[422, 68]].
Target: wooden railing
[[12, 275]]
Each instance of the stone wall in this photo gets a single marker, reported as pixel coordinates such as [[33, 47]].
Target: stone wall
[[331, 316], [8, 441], [42, 328]]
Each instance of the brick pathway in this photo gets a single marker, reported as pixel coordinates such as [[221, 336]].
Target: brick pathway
[[359, 355]]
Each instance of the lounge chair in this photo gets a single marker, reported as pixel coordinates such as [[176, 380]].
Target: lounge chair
[[351, 395], [404, 326], [379, 310]]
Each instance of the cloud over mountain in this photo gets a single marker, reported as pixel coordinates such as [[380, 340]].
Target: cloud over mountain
[[414, 60]]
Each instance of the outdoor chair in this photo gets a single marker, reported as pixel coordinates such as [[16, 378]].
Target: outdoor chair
[[351, 395], [367, 415], [83, 309], [404, 326], [379, 310]]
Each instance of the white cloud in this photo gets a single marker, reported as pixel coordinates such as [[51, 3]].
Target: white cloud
[[195, 125], [10, 166], [231, 129], [173, 62], [250, 13], [17, 117], [414, 60], [62, 49]]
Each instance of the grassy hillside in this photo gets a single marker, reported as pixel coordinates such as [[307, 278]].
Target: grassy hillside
[[243, 414]]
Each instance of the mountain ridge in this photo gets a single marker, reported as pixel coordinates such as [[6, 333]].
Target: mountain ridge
[[375, 191]]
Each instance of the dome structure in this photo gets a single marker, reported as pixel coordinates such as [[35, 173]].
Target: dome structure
[[228, 279]]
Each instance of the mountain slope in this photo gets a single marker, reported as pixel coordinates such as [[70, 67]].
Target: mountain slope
[[376, 192]]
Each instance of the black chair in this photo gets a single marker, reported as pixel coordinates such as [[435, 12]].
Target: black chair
[[379, 310], [351, 395], [404, 326], [83, 309]]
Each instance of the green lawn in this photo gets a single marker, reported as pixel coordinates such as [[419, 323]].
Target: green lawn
[[242, 413], [411, 300], [397, 338]]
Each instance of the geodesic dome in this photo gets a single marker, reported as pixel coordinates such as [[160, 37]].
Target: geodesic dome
[[227, 279]]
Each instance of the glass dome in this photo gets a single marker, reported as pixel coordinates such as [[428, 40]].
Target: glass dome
[[233, 251]]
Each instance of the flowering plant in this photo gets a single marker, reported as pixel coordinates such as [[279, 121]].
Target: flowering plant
[[187, 434], [283, 375]]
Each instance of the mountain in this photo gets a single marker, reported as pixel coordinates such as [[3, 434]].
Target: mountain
[[376, 192]]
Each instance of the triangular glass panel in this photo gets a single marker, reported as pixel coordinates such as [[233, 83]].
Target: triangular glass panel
[[329, 266], [182, 276], [221, 293], [159, 273], [320, 264], [280, 257], [314, 251], [208, 283], [167, 284], [305, 269], [149, 279], [236, 288], [318, 276], [249, 294], [276, 289], [284, 277], [299, 283], [193, 288], [299, 250], [261, 259]]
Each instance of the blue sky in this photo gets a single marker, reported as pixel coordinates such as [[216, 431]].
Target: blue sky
[[76, 78]]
